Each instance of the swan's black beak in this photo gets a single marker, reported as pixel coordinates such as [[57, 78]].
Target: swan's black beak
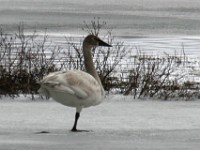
[[102, 43]]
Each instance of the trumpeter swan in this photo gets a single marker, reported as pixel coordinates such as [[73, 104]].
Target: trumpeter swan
[[77, 88]]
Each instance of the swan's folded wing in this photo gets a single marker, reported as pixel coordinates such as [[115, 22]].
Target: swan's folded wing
[[79, 92], [73, 90]]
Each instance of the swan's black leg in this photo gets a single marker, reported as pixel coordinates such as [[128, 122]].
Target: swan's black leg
[[75, 122], [74, 129]]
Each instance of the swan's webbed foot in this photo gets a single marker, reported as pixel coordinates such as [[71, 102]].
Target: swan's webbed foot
[[76, 130]]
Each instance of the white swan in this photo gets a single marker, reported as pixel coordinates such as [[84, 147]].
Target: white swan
[[77, 88]]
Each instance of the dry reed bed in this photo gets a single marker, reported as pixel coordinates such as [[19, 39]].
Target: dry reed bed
[[26, 59]]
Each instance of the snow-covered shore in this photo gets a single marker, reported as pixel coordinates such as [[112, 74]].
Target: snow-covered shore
[[118, 123]]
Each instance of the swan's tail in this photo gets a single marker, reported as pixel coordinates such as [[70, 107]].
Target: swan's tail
[[44, 92]]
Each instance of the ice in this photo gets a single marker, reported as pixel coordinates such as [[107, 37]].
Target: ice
[[118, 123], [127, 17]]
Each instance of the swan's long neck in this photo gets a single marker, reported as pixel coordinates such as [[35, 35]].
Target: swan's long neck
[[89, 64]]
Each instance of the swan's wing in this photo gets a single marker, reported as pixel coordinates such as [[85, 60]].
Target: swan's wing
[[56, 86], [75, 83]]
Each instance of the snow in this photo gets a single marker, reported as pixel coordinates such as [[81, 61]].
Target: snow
[[119, 123]]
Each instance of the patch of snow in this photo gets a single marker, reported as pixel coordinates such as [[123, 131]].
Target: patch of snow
[[119, 123]]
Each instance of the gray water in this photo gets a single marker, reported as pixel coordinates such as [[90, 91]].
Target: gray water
[[155, 26]]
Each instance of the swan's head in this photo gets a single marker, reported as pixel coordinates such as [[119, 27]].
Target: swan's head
[[94, 41]]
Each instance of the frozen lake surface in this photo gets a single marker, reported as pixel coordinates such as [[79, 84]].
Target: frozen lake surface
[[153, 26], [127, 17], [118, 123]]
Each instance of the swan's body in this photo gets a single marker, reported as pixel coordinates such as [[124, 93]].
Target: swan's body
[[73, 88], [76, 88]]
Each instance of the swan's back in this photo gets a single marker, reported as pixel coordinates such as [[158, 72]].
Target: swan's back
[[72, 88]]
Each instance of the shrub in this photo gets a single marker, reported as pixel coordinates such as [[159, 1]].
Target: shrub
[[157, 77], [26, 59]]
